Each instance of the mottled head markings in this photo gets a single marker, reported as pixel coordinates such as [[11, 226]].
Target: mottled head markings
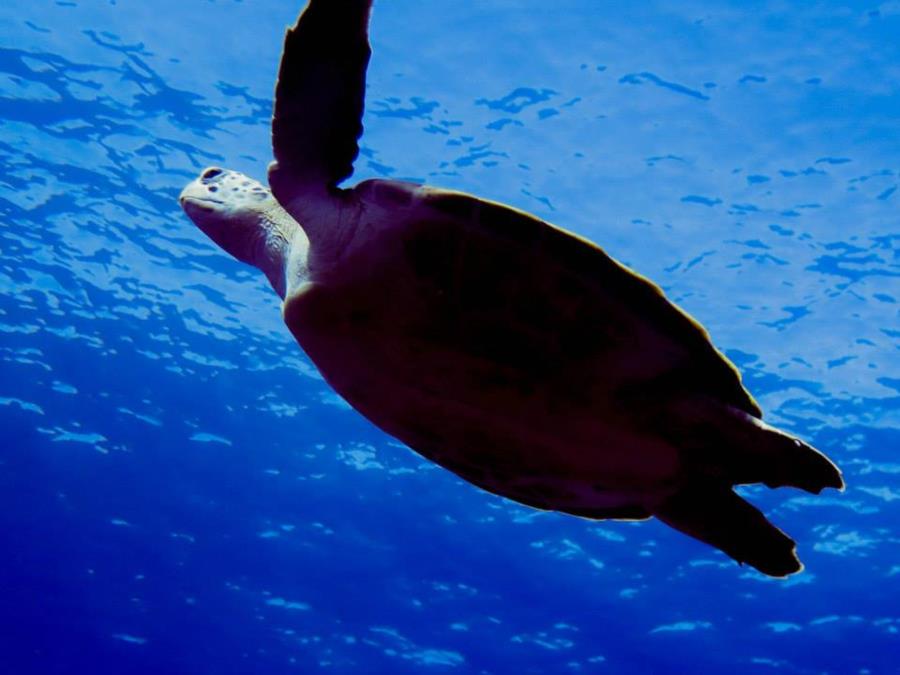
[[227, 187], [231, 209]]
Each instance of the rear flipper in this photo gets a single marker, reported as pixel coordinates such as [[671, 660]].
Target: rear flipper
[[763, 454], [790, 461], [754, 451], [716, 515]]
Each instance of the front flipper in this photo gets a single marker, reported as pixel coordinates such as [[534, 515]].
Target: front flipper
[[319, 97]]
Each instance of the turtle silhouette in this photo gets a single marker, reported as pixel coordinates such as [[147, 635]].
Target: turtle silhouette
[[515, 354]]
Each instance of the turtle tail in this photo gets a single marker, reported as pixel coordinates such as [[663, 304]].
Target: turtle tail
[[714, 514]]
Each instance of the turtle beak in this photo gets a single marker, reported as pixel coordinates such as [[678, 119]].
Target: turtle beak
[[185, 195], [196, 195], [200, 189], [191, 190]]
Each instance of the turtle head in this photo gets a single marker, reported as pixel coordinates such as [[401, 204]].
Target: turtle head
[[230, 208], [243, 217]]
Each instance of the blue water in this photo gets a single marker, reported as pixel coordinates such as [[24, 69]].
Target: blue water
[[180, 492]]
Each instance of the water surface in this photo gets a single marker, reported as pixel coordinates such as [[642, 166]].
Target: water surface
[[179, 490]]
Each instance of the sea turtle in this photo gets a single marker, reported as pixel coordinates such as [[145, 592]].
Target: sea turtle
[[516, 354]]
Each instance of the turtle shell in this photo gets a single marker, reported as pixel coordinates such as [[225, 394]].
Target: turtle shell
[[516, 354], [586, 306]]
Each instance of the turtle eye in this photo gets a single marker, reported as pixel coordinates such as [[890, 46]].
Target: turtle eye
[[210, 173]]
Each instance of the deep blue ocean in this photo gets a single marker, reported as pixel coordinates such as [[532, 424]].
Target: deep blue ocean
[[181, 493]]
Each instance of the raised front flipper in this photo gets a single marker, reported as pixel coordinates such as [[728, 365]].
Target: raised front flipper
[[319, 98]]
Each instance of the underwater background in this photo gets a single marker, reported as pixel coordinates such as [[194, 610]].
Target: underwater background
[[180, 492]]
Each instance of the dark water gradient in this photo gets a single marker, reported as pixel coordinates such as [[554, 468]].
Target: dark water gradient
[[180, 492]]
